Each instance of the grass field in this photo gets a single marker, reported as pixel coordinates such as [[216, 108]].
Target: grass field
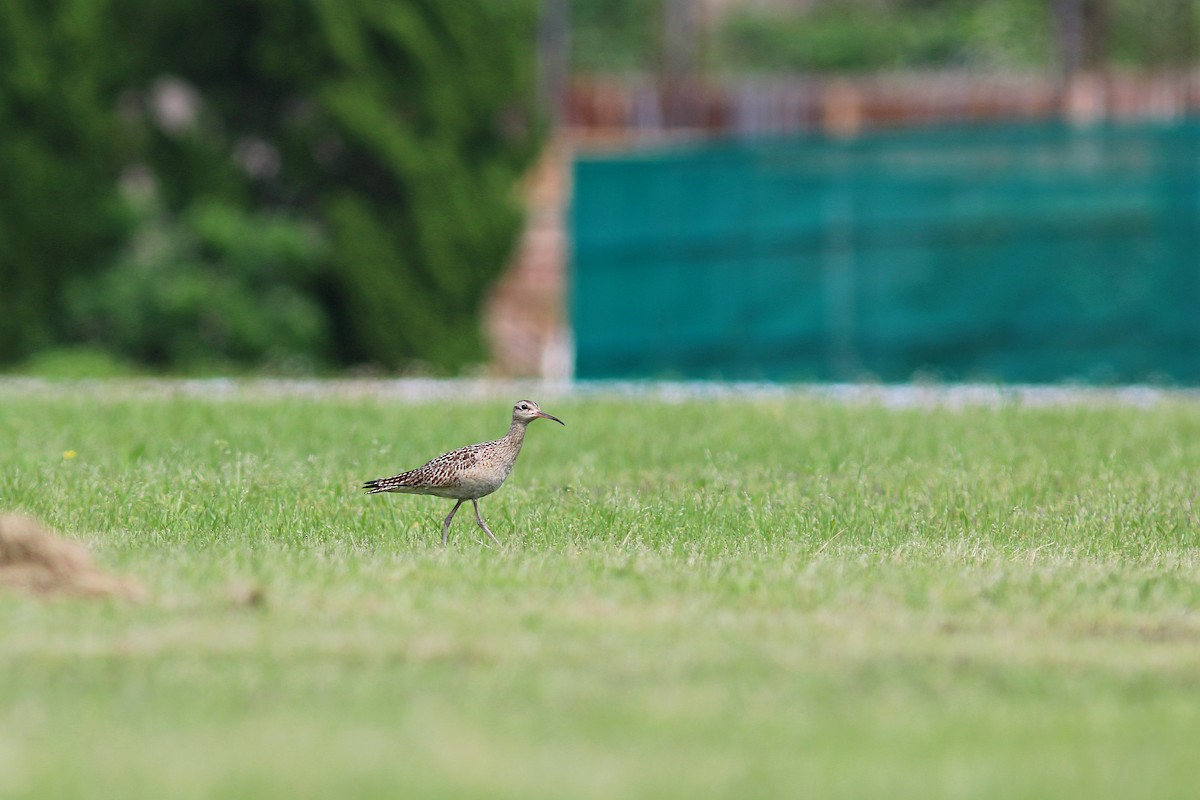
[[785, 596]]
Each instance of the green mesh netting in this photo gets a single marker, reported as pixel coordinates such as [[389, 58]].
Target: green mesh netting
[[1022, 253]]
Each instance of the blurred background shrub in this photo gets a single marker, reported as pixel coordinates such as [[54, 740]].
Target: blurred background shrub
[[210, 289], [260, 181], [857, 35], [60, 156], [825, 36]]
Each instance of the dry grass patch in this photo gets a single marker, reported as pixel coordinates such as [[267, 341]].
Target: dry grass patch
[[38, 561]]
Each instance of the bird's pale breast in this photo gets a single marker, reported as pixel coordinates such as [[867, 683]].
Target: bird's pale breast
[[472, 482]]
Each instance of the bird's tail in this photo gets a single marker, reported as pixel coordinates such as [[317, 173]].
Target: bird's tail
[[396, 483]]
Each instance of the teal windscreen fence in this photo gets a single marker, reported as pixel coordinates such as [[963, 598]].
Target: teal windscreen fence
[[1016, 254]]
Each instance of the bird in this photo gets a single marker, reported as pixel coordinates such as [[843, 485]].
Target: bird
[[467, 473]]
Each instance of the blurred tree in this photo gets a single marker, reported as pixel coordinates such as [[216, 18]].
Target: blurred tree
[[394, 131], [402, 127], [208, 289], [430, 109], [60, 157], [1081, 31], [857, 35], [1073, 35], [1159, 33], [616, 35]]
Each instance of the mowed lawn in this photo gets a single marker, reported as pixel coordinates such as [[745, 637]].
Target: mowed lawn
[[787, 597]]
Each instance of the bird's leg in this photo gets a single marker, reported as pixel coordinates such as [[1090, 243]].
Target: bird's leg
[[446, 524], [483, 524]]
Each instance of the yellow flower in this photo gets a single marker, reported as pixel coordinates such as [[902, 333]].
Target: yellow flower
[[69, 454]]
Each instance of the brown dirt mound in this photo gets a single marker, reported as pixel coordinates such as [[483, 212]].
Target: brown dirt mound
[[39, 561]]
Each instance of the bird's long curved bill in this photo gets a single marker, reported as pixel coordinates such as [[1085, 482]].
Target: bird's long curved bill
[[551, 416]]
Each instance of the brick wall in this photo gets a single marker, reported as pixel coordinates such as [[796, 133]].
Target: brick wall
[[525, 318]]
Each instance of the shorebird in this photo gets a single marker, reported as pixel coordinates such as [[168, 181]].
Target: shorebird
[[467, 473]]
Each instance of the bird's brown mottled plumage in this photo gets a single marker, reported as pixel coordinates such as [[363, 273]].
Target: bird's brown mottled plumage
[[467, 473]]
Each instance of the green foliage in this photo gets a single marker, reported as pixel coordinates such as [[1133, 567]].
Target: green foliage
[[433, 149], [60, 155], [396, 131], [401, 128], [1155, 33], [862, 35], [616, 35], [212, 288], [858, 35]]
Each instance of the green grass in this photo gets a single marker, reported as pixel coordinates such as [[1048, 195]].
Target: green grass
[[778, 597]]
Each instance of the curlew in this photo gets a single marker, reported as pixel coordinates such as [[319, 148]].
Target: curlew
[[467, 473]]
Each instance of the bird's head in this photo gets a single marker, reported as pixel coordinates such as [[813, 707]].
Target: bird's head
[[526, 411]]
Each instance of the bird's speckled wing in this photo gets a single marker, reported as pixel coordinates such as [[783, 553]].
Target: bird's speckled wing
[[440, 473]]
